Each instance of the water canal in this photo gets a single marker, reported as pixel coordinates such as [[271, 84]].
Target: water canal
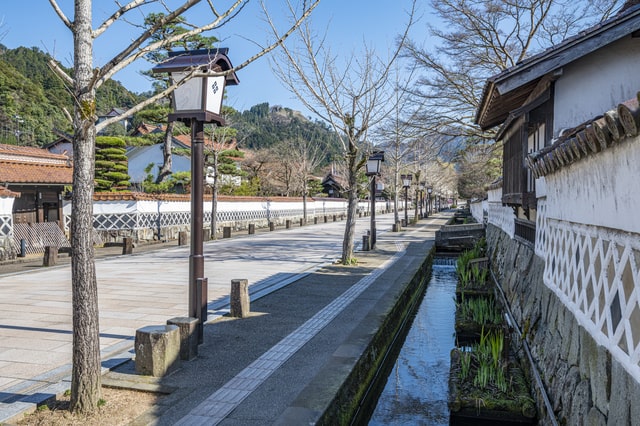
[[416, 389]]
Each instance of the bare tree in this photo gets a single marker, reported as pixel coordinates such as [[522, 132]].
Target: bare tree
[[86, 78], [221, 140], [351, 94], [474, 39], [396, 134], [306, 157]]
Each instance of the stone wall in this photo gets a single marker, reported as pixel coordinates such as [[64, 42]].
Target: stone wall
[[585, 384]]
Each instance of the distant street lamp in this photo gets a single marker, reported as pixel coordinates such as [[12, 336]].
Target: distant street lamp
[[406, 183], [373, 170], [429, 191], [198, 100]]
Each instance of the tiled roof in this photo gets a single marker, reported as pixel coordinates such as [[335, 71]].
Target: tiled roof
[[19, 164], [141, 196], [30, 154], [508, 89], [20, 172], [597, 134]]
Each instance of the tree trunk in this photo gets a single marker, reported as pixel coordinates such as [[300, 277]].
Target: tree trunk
[[85, 377], [167, 159], [304, 201], [214, 208], [352, 205], [214, 196]]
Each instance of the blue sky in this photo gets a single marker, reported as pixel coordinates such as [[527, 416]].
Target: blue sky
[[350, 23]]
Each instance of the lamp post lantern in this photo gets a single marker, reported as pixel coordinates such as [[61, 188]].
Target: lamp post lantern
[[373, 170], [429, 191], [406, 183], [201, 78]]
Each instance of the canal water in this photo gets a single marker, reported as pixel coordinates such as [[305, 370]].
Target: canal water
[[417, 387]]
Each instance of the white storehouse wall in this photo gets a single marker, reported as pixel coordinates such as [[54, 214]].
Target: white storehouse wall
[[479, 210], [588, 233], [499, 215]]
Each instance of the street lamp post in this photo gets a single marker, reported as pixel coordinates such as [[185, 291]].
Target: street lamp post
[[198, 100], [429, 191], [406, 183], [373, 170]]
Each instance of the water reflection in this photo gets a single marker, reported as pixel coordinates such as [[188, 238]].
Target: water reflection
[[417, 388]]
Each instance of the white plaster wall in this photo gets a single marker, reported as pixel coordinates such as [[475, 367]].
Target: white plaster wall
[[477, 210], [597, 83], [601, 190], [6, 206], [499, 215]]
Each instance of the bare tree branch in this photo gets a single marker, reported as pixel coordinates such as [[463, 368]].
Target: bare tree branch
[[60, 13], [118, 14]]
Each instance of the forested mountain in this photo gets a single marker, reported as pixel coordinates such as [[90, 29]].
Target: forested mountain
[[33, 100], [263, 126]]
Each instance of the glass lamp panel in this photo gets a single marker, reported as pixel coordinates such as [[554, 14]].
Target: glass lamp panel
[[215, 92], [373, 166], [188, 97]]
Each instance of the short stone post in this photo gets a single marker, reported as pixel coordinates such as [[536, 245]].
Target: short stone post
[[240, 298], [157, 349], [365, 243], [50, 256], [226, 232], [183, 238], [188, 327], [127, 245], [252, 229]]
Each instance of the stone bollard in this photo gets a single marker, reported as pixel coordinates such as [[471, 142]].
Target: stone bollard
[[252, 229], [365, 243], [183, 238], [188, 327], [50, 256], [127, 245], [157, 349], [272, 226], [240, 298], [226, 232], [287, 224]]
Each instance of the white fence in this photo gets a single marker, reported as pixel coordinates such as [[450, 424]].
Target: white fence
[[147, 217]]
